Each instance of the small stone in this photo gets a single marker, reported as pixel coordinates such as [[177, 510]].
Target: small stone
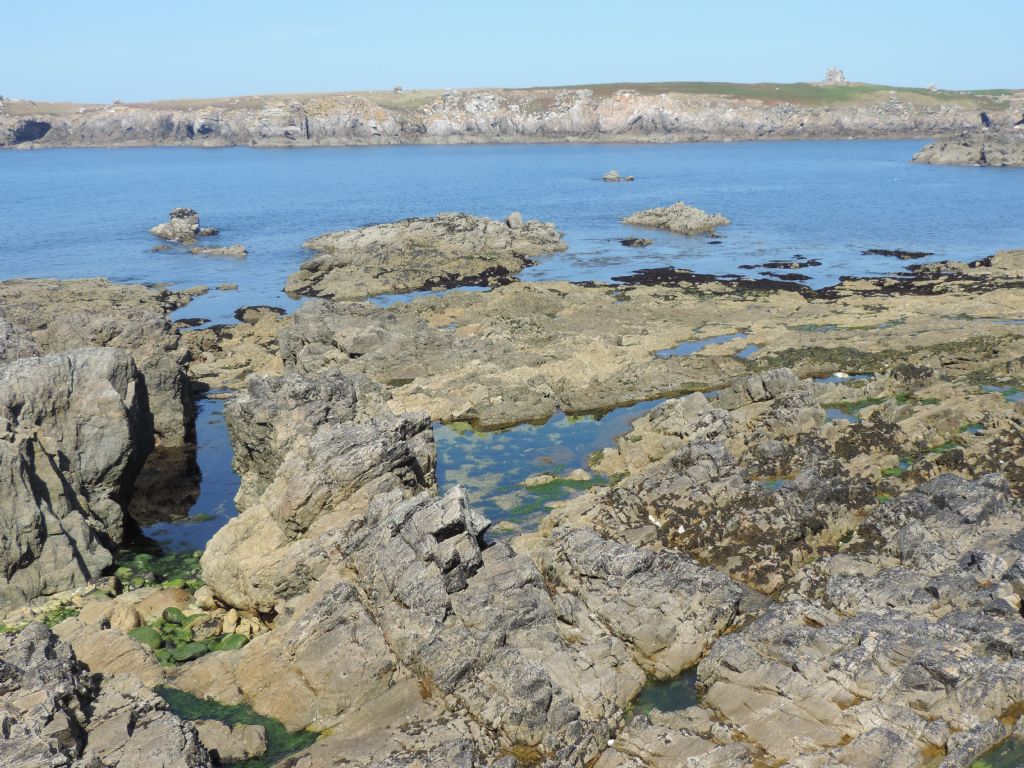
[[542, 478], [125, 618], [204, 598], [514, 220]]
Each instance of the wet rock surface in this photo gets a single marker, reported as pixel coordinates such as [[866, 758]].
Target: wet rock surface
[[448, 250], [680, 218], [55, 713]]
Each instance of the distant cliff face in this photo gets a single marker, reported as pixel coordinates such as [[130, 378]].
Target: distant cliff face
[[602, 113]]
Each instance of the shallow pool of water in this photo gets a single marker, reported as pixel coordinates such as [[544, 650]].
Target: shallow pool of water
[[493, 465], [217, 488], [696, 345], [667, 695]]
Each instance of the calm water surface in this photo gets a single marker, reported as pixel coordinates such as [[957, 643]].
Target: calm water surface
[[86, 212]]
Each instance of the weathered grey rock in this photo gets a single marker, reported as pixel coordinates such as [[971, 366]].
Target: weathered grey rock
[[678, 217], [667, 609], [236, 251], [983, 147], [182, 226], [447, 250], [74, 433], [62, 315], [55, 714], [920, 640], [281, 428]]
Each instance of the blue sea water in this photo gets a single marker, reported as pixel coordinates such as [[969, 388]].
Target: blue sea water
[[86, 212]]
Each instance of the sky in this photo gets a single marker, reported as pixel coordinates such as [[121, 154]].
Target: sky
[[98, 51]]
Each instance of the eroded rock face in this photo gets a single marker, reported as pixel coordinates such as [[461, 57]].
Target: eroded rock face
[[915, 644], [74, 432], [447, 250], [63, 315], [680, 218], [281, 428], [55, 714], [977, 147]]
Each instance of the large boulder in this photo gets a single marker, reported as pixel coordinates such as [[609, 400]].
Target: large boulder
[[74, 431], [54, 713], [280, 428], [444, 251], [62, 315]]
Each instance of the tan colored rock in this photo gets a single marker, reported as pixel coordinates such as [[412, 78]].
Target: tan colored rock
[[680, 218], [110, 651], [152, 606]]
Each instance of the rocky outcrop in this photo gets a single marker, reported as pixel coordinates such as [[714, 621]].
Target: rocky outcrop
[[448, 250], [74, 431], [182, 226], [63, 315], [280, 428], [680, 218], [977, 147], [913, 650], [55, 714], [372, 579], [640, 113]]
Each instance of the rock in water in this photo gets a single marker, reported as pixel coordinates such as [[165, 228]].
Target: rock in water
[[445, 251], [680, 218], [182, 226], [56, 714], [977, 147], [74, 431]]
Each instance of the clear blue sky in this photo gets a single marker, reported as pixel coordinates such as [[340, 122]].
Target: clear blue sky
[[103, 50]]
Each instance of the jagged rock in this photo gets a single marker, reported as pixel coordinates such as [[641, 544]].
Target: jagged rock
[[55, 714], [280, 428], [666, 609], [73, 435], [447, 250], [929, 655], [182, 226], [678, 217], [977, 147]]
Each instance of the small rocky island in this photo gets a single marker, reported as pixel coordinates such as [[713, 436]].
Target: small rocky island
[[814, 525], [984, 147], [680, 218], [444, 251]]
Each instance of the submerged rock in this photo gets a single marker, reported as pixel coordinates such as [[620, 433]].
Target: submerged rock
[[448, 250], [236, 251], [678, 217]]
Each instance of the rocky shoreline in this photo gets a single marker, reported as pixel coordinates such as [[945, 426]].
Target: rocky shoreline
[[821, 521], [600, 113]]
